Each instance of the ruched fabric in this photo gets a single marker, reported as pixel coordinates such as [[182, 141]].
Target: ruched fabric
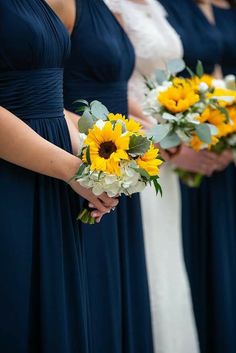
[[101, 62], [43, 291]]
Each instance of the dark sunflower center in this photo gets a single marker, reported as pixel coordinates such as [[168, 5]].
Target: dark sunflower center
[[106, 149]]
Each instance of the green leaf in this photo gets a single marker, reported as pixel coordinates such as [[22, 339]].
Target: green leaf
[[88, 155], [224, 111], [157, 186], [199, 69], [82, 101], [86, 122], [161, 76], [175, 66], [82, 107], [191, 73], [138, 145], [203, 131], [143, 173], [80, 170], [159, 132], [171, 140], [99, 110]]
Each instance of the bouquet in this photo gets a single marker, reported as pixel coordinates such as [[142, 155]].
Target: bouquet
[[117, 157], [182, 106], [224, 119]]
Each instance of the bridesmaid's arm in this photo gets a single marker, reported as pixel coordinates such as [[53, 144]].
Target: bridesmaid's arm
[[21, 145], [72, 123]]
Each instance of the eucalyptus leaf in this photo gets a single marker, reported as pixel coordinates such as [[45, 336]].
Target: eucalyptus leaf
[[86, 122], [161, 76], [171, 140], [203, 131], [213, 129], [199, 69], [138, 145], [175, 66], [159, 132], [82, 101], [99, 110]]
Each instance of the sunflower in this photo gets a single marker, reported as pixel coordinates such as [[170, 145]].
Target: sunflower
[[179, 97], [130, 124], [195, 81], [232, 115], [218, 119], [197, 144], [149, 161], [107, 147]]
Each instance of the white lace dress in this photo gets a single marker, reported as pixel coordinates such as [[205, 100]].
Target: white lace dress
[[174, 330]]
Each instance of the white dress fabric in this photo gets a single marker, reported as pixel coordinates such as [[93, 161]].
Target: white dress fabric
[[174, 329]]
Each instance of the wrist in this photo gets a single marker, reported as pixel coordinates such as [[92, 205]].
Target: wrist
[[69, 168]]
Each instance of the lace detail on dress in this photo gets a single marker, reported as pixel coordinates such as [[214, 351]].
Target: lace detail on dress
[[154, 40]]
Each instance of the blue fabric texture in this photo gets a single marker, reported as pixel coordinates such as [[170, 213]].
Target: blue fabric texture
[[43, 292], [101, 62]]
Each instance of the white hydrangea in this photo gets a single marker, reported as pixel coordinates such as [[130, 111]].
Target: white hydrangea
[[128, 183], [151, 103]]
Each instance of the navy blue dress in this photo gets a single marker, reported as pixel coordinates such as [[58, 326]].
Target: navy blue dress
[[42, 276], [100, 65], [209, 212]]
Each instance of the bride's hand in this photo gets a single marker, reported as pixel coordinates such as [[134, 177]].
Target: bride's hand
[[102, 204]]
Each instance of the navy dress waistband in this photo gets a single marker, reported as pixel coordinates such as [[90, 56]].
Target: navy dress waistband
[[34, 94]]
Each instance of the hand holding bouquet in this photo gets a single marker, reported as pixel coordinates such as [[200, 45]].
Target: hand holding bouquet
[[223, 117], [182, 106], [117, 158]]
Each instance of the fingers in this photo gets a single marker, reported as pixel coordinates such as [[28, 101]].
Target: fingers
[[97, 216], [99, 206], [209, 156], [109, 202], [224, 159]]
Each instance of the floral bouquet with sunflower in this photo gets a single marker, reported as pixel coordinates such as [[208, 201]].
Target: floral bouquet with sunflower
[[179, 105], [117, 158], [177, 102], [222, 117]]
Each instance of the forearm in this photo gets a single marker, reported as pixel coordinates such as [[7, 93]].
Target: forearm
[[21, 145]]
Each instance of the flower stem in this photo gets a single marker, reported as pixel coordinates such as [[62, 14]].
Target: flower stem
[[85, 217], [193, 180]]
